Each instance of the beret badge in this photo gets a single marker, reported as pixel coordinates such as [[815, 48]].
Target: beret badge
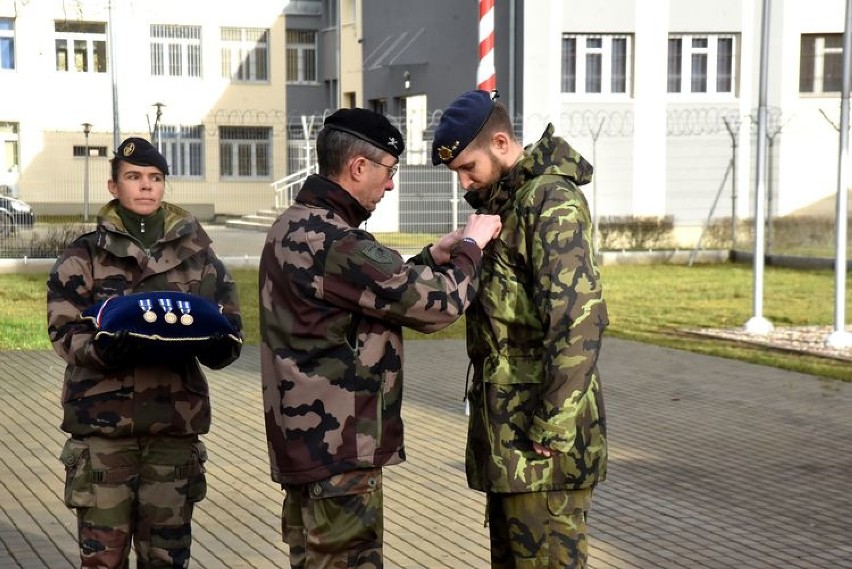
[[446, 153], [128, 149]]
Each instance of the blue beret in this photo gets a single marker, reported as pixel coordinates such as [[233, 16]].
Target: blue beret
[[142, 153], [367, 125], [165, 321], [459, 125]]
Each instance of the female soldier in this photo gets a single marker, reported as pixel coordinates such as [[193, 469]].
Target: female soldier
[[134, 461]]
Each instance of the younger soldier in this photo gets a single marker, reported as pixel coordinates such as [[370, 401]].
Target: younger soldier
[[333, 302], [134, 462], [537, 434]]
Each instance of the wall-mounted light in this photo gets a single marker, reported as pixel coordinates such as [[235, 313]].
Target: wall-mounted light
[[406, 76]]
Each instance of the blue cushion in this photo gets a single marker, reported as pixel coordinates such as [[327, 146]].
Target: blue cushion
[[161, 316]]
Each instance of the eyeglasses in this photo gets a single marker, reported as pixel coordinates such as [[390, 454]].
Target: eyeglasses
[[392, 170]]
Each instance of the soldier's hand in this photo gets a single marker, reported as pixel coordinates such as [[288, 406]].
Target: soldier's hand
[[218, 351], [117, 350], [482, 228], [544, 451]]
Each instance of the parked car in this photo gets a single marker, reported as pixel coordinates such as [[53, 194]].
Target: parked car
[[15, 215]]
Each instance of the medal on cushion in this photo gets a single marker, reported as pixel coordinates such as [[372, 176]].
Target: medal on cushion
[[166, 305], [185, 309], [149, 315]]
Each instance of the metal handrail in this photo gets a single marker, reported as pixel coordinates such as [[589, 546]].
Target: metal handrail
[[284, 188]]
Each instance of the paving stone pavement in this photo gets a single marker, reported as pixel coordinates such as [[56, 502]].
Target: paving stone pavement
[[714, 464]]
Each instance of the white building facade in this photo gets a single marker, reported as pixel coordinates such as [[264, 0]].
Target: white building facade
[[662, 96], [203, 80]]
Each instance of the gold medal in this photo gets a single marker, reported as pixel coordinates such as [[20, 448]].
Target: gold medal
[[185, 308], [170, 318], [148, 315]]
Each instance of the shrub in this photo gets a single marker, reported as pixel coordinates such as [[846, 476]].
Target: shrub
[[635, 232], [38, 245]]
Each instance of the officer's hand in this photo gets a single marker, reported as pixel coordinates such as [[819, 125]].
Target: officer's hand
[[117, 350], [440, 251], [482, 228]]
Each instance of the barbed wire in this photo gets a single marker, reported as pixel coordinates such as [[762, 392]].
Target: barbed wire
[[693, 121]]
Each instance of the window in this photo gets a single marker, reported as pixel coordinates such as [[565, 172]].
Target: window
[[301, 56], [821, 66], [7, 43], [245, 54], [183, 147], [81, 46], [595, 64], [9, 158], [175, 51], [701, 64], [245, 152], [99, 151]]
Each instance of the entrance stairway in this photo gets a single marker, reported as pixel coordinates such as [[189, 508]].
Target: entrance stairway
[[284, 189]]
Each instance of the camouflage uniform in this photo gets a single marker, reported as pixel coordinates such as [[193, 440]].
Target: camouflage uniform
[[134, 464], [534, 335], [333, 302]]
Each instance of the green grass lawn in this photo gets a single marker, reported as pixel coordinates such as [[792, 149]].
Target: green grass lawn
[[648, 303]]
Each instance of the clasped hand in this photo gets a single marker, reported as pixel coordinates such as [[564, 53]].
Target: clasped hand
[[482, 228]]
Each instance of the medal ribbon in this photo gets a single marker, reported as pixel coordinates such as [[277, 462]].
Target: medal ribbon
[[166, 304]]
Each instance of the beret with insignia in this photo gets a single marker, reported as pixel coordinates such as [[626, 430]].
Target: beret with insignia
[[142, 153], [367, 125], [459, 125], [164, 323]]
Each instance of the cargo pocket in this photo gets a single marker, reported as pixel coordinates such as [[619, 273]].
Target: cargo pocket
[[346, 509], [197, 483], [79, 491]]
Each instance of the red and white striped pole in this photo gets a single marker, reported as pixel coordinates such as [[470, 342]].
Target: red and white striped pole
[[486, 75]]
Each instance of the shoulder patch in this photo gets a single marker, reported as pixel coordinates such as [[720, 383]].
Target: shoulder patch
[[377, 253]]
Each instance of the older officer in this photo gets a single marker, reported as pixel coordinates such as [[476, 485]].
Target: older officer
[[537, 430], [333, 302], [134, 462]]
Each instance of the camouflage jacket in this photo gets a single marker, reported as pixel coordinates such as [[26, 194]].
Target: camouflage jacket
[[157, 399], [534, 332], [333, 303]]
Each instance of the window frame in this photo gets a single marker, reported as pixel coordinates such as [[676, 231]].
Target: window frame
[[7, 40], [239, 149], [246, 59], [685, 82], [820, 55], [73, 33], [183, 148], [579, 60], [175, 51], [299, 50], [576, 79]]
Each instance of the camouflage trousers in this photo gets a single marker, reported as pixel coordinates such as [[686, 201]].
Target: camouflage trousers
[[134, 489], [539, 530], [335, 523]]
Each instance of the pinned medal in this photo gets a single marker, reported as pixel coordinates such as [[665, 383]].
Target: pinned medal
[[185, 308], [166, 304], [149, 315]]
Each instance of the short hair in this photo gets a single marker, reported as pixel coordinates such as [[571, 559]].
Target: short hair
[[335, 148], [498, 121]]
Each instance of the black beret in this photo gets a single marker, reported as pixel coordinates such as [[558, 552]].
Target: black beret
[[459, 125], [142, 153], [369, 126]]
